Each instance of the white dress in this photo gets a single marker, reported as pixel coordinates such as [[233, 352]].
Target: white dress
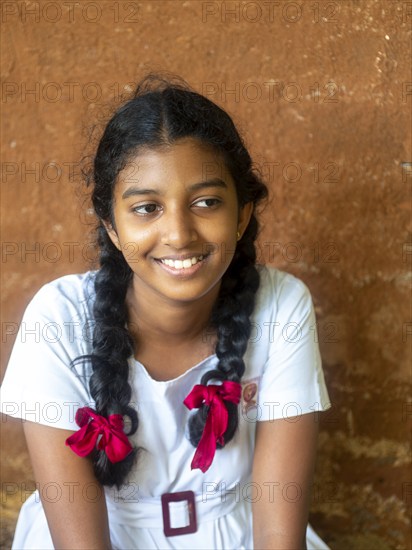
[[282, 363]]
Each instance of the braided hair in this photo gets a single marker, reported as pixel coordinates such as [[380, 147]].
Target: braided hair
[[162, 111]]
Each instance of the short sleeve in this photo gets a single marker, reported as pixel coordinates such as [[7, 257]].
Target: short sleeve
[[292, 382], [43, 383]]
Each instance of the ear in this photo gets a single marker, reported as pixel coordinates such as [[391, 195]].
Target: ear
[[245, 213], [112, 234]]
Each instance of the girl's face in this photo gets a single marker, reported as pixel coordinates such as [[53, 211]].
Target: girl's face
[[176, 217]]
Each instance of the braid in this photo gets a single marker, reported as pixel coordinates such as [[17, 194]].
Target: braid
[[112, 347], [231, 318]]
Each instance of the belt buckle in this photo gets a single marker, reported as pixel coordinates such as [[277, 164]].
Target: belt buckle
[[170, 531]]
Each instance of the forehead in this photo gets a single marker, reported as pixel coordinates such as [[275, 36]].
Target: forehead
[[186, 161]]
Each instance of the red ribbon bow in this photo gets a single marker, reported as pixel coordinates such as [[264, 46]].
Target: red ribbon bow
[[216, 422], [107, 433]]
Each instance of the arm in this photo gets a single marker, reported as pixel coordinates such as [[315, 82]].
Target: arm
[[78, 519], [284, 454]]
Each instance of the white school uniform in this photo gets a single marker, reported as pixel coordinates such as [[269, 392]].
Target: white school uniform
[[283, 377]]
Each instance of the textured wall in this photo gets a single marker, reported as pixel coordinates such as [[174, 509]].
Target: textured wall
[[323, 93]]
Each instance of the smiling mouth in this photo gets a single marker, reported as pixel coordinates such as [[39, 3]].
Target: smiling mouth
[[182, 264]]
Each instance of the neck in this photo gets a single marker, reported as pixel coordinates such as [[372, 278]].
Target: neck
[[152, 319]]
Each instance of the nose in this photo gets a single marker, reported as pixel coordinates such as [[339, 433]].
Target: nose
[[178, 229]]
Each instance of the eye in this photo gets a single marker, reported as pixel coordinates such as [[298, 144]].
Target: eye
[[146, 209], [207, 203]]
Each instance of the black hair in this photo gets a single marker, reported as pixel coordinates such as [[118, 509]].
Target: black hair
[[162, 111]]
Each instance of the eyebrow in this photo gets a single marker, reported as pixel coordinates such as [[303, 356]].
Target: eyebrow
[[214, 182]]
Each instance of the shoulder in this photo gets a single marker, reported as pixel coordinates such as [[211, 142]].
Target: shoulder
[[280, 290], [66, 294], [80, 284], [43, 370]]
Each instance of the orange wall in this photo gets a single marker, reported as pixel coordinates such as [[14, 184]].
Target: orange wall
[[322, 92]]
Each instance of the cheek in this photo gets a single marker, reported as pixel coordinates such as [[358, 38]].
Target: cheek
[[223, 244], [226, 226], [132, 232]]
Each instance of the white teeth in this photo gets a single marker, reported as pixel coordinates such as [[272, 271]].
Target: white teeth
[[182, 264]]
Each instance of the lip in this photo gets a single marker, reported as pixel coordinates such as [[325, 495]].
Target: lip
[[182, 273], [181, 256]]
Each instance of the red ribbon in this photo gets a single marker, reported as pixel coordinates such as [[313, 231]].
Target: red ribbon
[[216, 423], [97, 431]]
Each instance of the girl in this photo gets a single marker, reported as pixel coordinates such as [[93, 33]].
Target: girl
[[135, 426]]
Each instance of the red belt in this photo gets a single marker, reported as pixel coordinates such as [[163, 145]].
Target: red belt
[[169, 504]]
